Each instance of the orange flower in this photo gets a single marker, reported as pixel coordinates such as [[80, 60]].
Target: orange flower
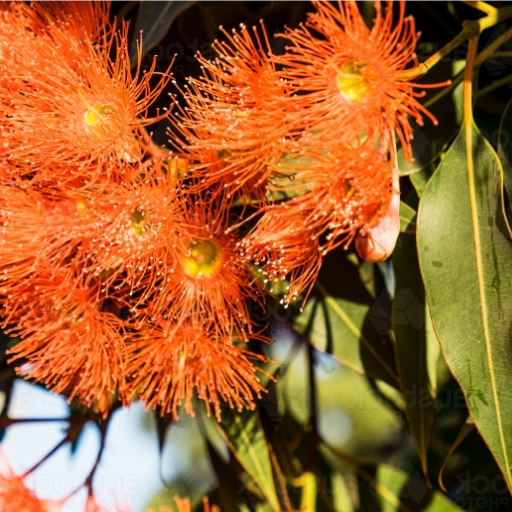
[[74, 113], [42, 225], [238, 118], [169, 364], [344, 190], [376, 241], [15, 496], [346, 78], [70, 340], [124, 237], [210, 278], [133, 237], [34, 225], [13, 37], [338, 195], [184, 505], [81, 20], [286, 250]]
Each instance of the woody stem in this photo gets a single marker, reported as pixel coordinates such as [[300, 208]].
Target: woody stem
[[470, 30], [480, 58], [468, 82], [481, 6]]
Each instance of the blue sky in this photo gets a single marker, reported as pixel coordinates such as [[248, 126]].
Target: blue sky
[[128, 469]]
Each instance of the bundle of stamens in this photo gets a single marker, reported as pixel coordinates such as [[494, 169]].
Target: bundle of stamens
[[15, 495], [124, 269], [73, 114], [346, 79], [238, 121], [169, 363], [210, 278], [70, 339]]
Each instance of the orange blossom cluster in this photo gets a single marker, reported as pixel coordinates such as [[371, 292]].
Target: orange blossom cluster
[[124, 271]]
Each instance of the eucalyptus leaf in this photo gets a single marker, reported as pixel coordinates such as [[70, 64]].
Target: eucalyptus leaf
[[342, 318], [420, 179], [434, 354], [466, 259], [244, 436], [384, 488], [505, 147], [468, 427], [388, 489], [341, 497], [230, 493], [407, 218], [411, 345]]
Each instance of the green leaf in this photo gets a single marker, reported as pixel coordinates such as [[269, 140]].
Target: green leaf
[[468, 427], [263, 507], [230, 493], [466, 260], [246, 440], [341, 497], [433, 352], [385, 488], [411, 345], [388, 489], [309, 492], [505, 147], [420, 179], [155, 20], [431, 140], [343, 319], [271, 410], [407, 218]]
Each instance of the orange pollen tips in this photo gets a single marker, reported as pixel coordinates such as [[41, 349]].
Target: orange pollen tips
[[204, 258], [139, 222], [351, 82], [102, 121]]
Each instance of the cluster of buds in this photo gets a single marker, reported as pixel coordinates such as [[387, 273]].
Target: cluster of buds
[[123, 269]]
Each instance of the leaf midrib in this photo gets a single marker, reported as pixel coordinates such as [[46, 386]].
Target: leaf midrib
[[346, 319], [250, 450], [253, 456], [483, 302]]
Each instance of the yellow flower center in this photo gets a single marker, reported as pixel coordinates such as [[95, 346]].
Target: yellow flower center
[[139, 222], [102, 121], [83, 210], [204, 258], [351, 82]]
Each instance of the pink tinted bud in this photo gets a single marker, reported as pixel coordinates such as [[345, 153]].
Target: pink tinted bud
[[378, 242]]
